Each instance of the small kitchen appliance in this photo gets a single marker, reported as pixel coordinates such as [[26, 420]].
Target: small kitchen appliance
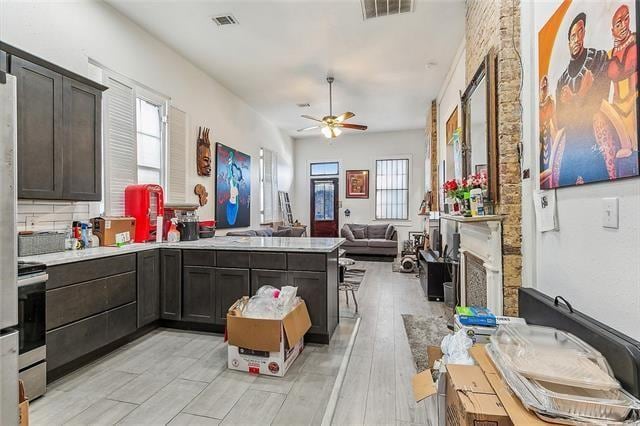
[[145, 203], [174, 211], [188, 226]]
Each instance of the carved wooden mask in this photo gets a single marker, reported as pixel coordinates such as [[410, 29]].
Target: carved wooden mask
[[203, 159]]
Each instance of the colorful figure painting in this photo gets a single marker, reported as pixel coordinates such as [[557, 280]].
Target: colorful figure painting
[[233, 188], [588, 92]]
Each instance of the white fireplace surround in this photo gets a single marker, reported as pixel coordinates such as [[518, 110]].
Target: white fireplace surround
[[481, 236]]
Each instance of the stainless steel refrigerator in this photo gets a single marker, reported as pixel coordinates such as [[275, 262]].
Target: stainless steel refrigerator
[[8, 253]]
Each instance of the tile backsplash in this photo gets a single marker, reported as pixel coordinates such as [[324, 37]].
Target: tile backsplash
[[37, 215]]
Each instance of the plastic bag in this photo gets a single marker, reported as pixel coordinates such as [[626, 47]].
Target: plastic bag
[[455, 348], [271, 303]]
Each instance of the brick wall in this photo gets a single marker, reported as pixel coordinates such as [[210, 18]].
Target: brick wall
[[496, 24], [435, 188]]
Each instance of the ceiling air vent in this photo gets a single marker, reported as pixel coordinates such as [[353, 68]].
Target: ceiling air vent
[[223, 20], [378, 8]]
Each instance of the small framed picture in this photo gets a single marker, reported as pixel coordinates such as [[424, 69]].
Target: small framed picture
[[357, 183], [481, 169]]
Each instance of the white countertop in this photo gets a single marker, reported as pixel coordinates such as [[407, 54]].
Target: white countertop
[[289, 244]]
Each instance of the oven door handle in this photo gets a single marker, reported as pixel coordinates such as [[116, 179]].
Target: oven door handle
[[41, 278]]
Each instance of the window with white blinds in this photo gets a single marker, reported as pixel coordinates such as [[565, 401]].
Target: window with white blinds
[[176, 176], [269, 210], [120, 159], [392, 189]]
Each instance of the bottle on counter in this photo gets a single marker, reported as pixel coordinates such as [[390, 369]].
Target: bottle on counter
[[173, 235]]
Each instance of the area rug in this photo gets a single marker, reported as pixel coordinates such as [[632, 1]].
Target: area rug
[[354, 276], [422, 332]]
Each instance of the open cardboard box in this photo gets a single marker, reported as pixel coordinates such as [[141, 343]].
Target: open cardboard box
[[23, 405], [519, 415], [265, 346]]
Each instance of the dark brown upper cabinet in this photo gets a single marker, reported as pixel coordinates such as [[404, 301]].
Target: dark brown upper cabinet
[[40, 130], [82, 115], [59, 130]]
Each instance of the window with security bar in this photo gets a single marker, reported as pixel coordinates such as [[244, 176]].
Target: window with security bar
[[392, 189]]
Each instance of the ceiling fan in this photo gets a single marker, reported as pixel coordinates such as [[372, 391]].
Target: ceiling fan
[[331, 125]]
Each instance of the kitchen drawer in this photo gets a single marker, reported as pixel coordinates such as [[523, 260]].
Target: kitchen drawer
[[88, 270], [233, 259], [72, 341], [266, 260], [199, 258], [74, 302], [306, 262]]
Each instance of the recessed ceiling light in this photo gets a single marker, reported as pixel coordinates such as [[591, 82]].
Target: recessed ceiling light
[[222, 20], [304, 105]]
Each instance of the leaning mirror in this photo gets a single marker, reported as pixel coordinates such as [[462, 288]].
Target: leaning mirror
[[479, 147]]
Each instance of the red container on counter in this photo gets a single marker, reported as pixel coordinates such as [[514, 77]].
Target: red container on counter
[[145, 203]]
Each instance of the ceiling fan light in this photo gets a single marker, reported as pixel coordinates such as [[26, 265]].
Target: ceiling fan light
[[337, 131], [326, 131]]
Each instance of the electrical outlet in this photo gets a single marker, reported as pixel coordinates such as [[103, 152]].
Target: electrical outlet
[[610, 213]]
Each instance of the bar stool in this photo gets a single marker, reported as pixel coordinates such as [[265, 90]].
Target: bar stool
[[344, 262]]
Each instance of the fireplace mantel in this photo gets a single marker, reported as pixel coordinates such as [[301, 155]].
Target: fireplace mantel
[[481, 243]]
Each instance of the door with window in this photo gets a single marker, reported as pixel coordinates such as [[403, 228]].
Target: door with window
[[324, 207]]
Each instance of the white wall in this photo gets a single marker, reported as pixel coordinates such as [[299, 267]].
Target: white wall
[[448, 99], [356, 151], [68, 34], [596, 269]]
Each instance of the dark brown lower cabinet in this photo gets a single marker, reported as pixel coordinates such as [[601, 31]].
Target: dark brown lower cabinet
[[312, 287], [70, 342], [171, 284], [231, 285], [148, 287], [261, 277], [199, 294]]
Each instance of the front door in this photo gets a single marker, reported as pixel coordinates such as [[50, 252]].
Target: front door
[[324, 207]]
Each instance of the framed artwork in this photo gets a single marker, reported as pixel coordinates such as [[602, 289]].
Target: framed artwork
[[357, 183], [481, 169], [233, 188], [588, 92], [452, 124]]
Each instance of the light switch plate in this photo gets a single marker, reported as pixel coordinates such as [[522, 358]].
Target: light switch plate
[[610, 213]]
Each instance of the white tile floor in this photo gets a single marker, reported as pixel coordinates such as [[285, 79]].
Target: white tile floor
[[177, 377]]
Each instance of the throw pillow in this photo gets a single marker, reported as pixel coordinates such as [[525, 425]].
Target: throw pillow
[[358, 233], [282, 233], [389, 234], [345, 232]]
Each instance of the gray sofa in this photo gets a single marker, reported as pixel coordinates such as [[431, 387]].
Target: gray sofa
[[377, 240]]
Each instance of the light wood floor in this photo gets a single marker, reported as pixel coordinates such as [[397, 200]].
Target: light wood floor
[[377, 386], [175, 377]]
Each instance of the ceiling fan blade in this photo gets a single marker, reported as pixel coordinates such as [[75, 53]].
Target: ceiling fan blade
[[345, 116], [352, 126], [311, 118], [309, 128]]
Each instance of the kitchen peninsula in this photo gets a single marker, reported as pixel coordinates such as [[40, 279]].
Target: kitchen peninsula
[[100, 298]]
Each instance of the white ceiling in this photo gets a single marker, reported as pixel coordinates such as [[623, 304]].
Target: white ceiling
[[283, 50]]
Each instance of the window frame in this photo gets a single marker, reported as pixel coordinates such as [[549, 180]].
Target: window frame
[[311, 164], [163, 103], [407, 189]]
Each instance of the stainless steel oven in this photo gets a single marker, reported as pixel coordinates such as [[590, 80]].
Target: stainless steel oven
[[32, 365]]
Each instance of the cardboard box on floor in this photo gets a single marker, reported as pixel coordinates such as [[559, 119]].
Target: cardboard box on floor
[[23, 405], [423, 387], [265, 346], [519, 415]]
